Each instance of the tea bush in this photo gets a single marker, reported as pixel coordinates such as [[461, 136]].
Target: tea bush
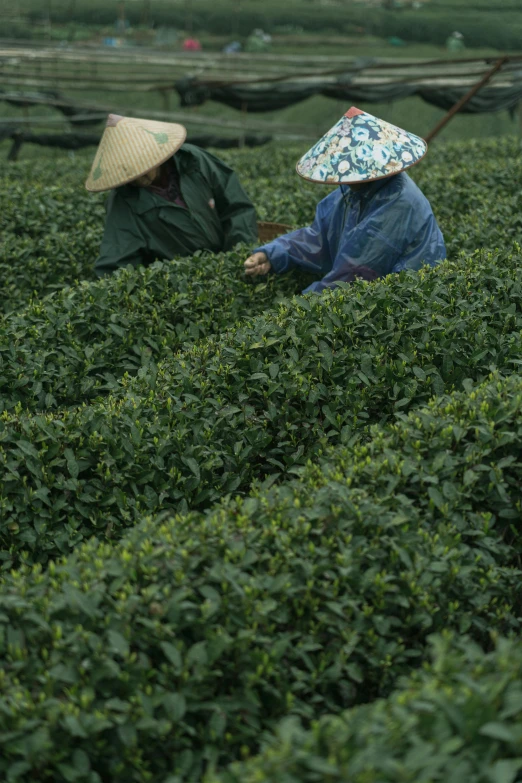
[[175, 649], [459, 719], [35, 267], [69, 348], [283, 512], [51, 231], [260, 400]]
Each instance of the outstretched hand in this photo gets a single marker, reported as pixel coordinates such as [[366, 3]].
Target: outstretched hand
[[257, 264]]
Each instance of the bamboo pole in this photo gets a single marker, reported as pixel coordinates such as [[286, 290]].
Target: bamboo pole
[[244, 118], [49, 17], [287, 59], [189, 17], [145, 17], [122, 22], [464, 100], [216, 62], [188, 118], [44, 121]]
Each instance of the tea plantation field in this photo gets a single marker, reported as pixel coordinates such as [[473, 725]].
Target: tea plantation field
[[248, 535]]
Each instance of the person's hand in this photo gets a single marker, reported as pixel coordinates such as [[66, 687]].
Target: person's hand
[[257, 264]]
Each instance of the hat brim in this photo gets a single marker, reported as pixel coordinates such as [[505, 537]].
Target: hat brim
[[134, 177], [337, 182], [116, 178], [360, 148]]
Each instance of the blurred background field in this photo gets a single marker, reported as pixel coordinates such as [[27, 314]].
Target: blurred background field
[[368, 30], [496, 23]]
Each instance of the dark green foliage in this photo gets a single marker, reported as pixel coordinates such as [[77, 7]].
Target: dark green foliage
[[51, 233], [162, 649], [458, 720], [474, 188], [34, 267], [179, 646], [34, 204], [69, 348], [262, 399]]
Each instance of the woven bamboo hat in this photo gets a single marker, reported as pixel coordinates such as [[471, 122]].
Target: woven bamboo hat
[[361, 148], [131, 147]]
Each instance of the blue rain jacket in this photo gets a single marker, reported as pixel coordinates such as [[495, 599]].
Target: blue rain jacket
[[385, 227]]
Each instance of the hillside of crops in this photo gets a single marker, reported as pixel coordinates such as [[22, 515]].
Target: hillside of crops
[[494, 23], [250, 535]]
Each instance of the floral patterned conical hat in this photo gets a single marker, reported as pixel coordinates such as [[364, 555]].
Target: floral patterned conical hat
[[131, 147], [361, 148]]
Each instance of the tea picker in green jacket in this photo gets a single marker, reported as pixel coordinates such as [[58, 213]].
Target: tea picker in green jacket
[[168, 198]]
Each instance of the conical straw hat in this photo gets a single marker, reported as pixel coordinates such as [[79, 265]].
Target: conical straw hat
[[360, 148], [130, 148]]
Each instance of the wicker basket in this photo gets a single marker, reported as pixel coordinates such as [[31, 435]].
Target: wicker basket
[[269, 231]]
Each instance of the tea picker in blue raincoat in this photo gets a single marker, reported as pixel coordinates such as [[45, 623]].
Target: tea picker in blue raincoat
[[377, 221]]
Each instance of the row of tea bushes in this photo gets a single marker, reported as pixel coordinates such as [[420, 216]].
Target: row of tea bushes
[[37, 209], [262, 399], [175, 649], [167, 651], [68, 348], [33, 268], [474, 188], [460, 719], [51, 232]]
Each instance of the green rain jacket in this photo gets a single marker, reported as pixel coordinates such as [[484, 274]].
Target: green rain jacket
[[141, 226]]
